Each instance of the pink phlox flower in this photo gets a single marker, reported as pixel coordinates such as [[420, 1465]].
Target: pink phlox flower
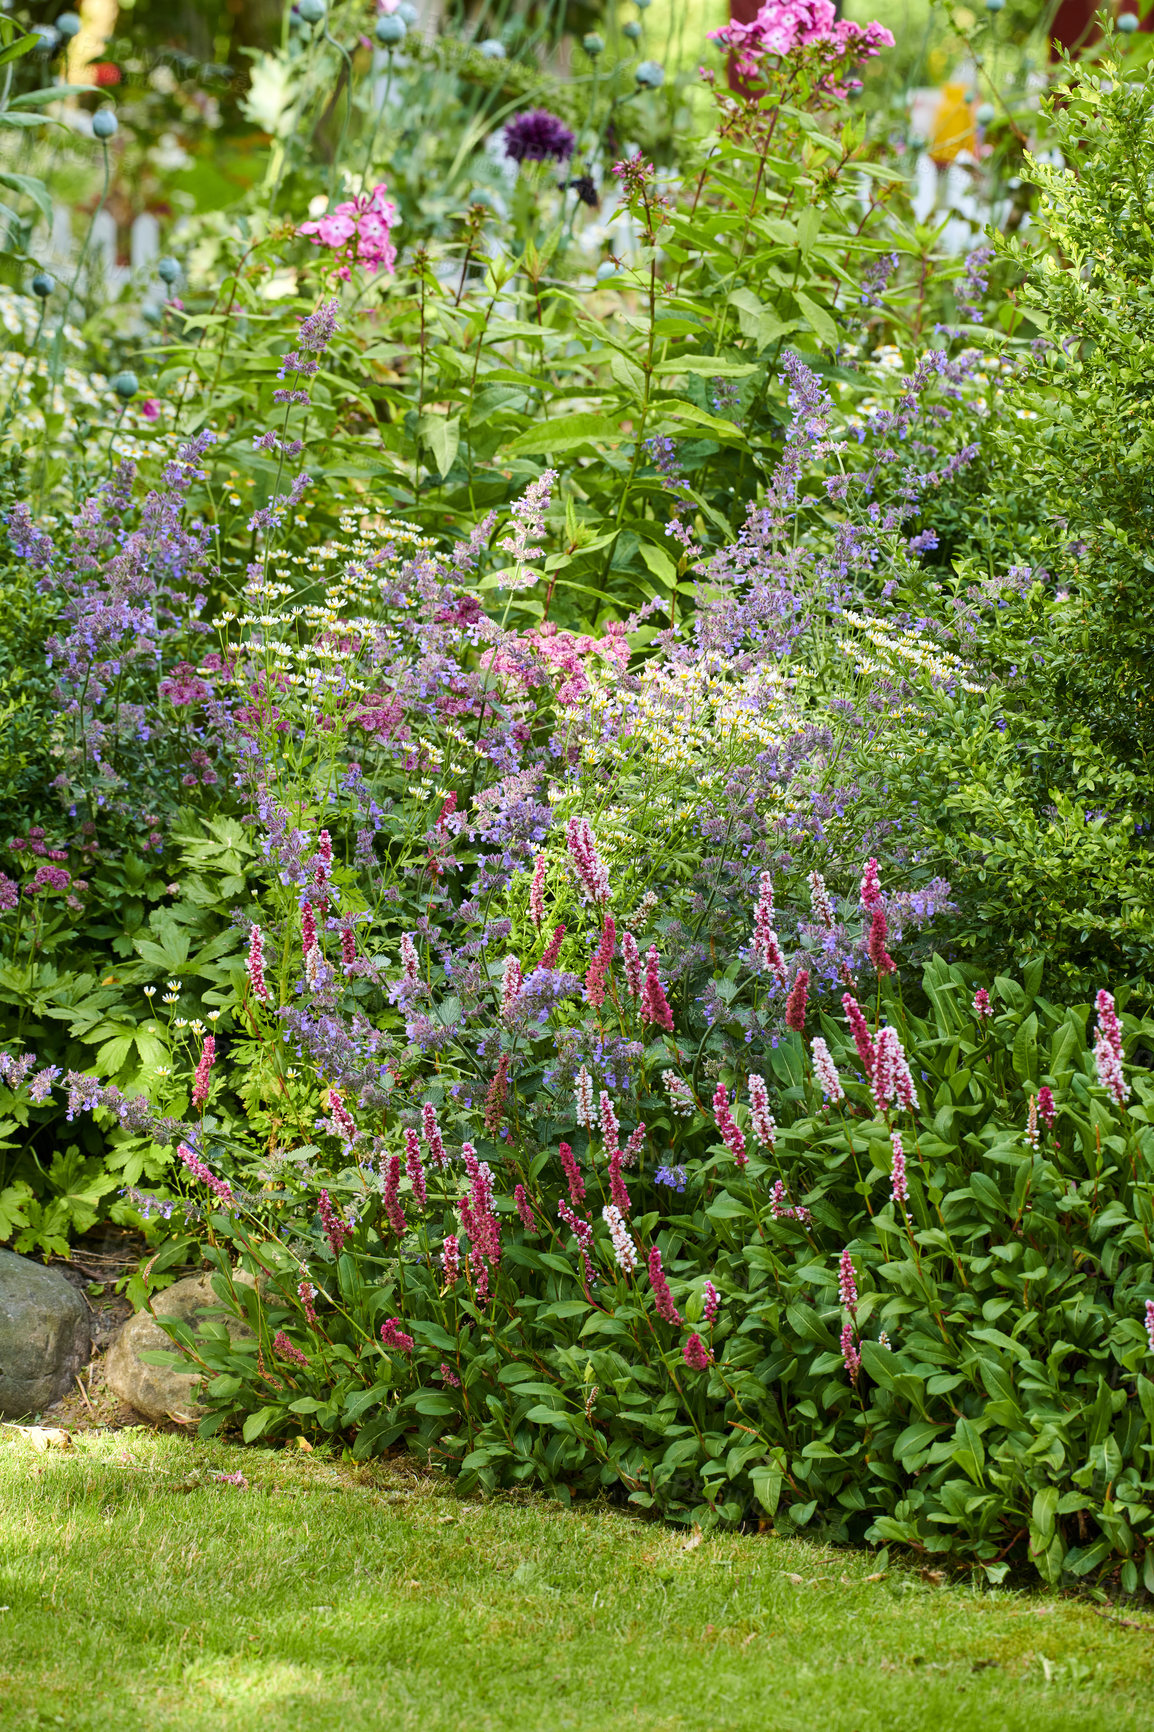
[[871, 890], [572, 1174], [390, 1190], [601, 965], [826, 1072], [624, 1250], [861, 1034], [344, 1125], [434, 1141], [892, 1082], [414, 1166], [846, 1282], [219, 1187], [607, 1118], [525, 1209], [850, 1354], [795, 1003], [654, 1004], [201, 1082], [760, 1116], [511, 983], [358, 231], [662, 1297], [537, 892], [285, 1349], [336, 1229], [731, 1133], [899, 1187], [583, 1099], [631, 957], [394, 1337], [696, 1354], [587, 863], [617, 1190], [820, 902], [876, 943]]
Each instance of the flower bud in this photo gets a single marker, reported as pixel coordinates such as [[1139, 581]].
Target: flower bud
[[649, 75], [492, 49], [68, 24], [1128, 23], [994, 5], [126, 385], [632, 30], [391, 29], [104, 124], [311, 11], [593, 44], [408, 12], [167, 269], [43, 285], [985, 114], [49, 38]]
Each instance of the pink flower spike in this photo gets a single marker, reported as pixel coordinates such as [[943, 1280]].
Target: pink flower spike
[[876, 943], [847, 1282], [255, 965], [624, 1250], [572, 1174], [712, 1303], [850, 1355], [525, 1209], [871, 890], [434, 1141], [631, 957], [861, 1034], [1150, 1323], [617, 1190], [982, 1006], [451, 1259], [414, 1167], [760, 1116], [610, 1129], [795, 1003], [696, 1354], [731, 1133], [587, 863], [900, 1188], [825, 1071], [201, 1081], [1046, 1107], [662, 1297], [654, 1004], [337, 1230], [537, 892], [394, 1336]]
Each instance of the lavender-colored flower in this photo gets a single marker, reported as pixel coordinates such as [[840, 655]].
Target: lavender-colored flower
[[673, 1177], [538, 136]]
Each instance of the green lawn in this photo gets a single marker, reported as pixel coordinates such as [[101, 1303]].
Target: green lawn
[[141, 1593]]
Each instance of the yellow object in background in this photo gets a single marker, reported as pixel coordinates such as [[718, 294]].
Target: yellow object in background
[[953, 126]]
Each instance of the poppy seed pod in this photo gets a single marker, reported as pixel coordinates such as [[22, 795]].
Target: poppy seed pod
[[391, 29], [492, 49], [1128, 23], [632, 30], [650, 75], [593, 44], [43, 285], [68, 24], [126, 385], [167, 269], [311, 11], [104, 124]]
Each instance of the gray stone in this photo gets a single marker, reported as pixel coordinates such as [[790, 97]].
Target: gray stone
[[155, 1391], [44, 1336]]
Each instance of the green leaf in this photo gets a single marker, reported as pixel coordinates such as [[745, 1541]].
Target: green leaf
[[818, 320], [564, 433], [256, 1422], [442, 436], [31, 188]]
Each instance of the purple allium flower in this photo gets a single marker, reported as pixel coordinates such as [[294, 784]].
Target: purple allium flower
[[538, 136]]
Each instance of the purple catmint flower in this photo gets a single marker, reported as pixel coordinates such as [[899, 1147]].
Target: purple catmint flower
[[673, 1177], [587, 863], [654, 1004], [40, 1087], [662, 1297], [624, 1250], [731, 1133], [696, 1354], [850, 1355], [846, 1282], [899, 1188], [527, 526], [394, 1337], [825, 1071], [760, 1116], [982, 1006], [538, 136]]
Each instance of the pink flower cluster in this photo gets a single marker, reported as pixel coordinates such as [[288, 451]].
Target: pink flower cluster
[[654, 1004], [587, 863], [786, 27], [219, 1187], [337, 1230], [782, 1209], [602, 963], [201, 1081], [825, 1072], [1108, 1050], [731, 1133], [358, 231], [392, 1335]]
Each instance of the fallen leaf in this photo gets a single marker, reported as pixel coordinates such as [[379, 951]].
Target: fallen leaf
[[796, 1580], [878, 1576], [47, 1437], [303, 1443], [934, 1577], [693, 1541]]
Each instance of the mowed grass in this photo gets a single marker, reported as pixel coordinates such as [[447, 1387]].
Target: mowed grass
[[143, 1593]]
